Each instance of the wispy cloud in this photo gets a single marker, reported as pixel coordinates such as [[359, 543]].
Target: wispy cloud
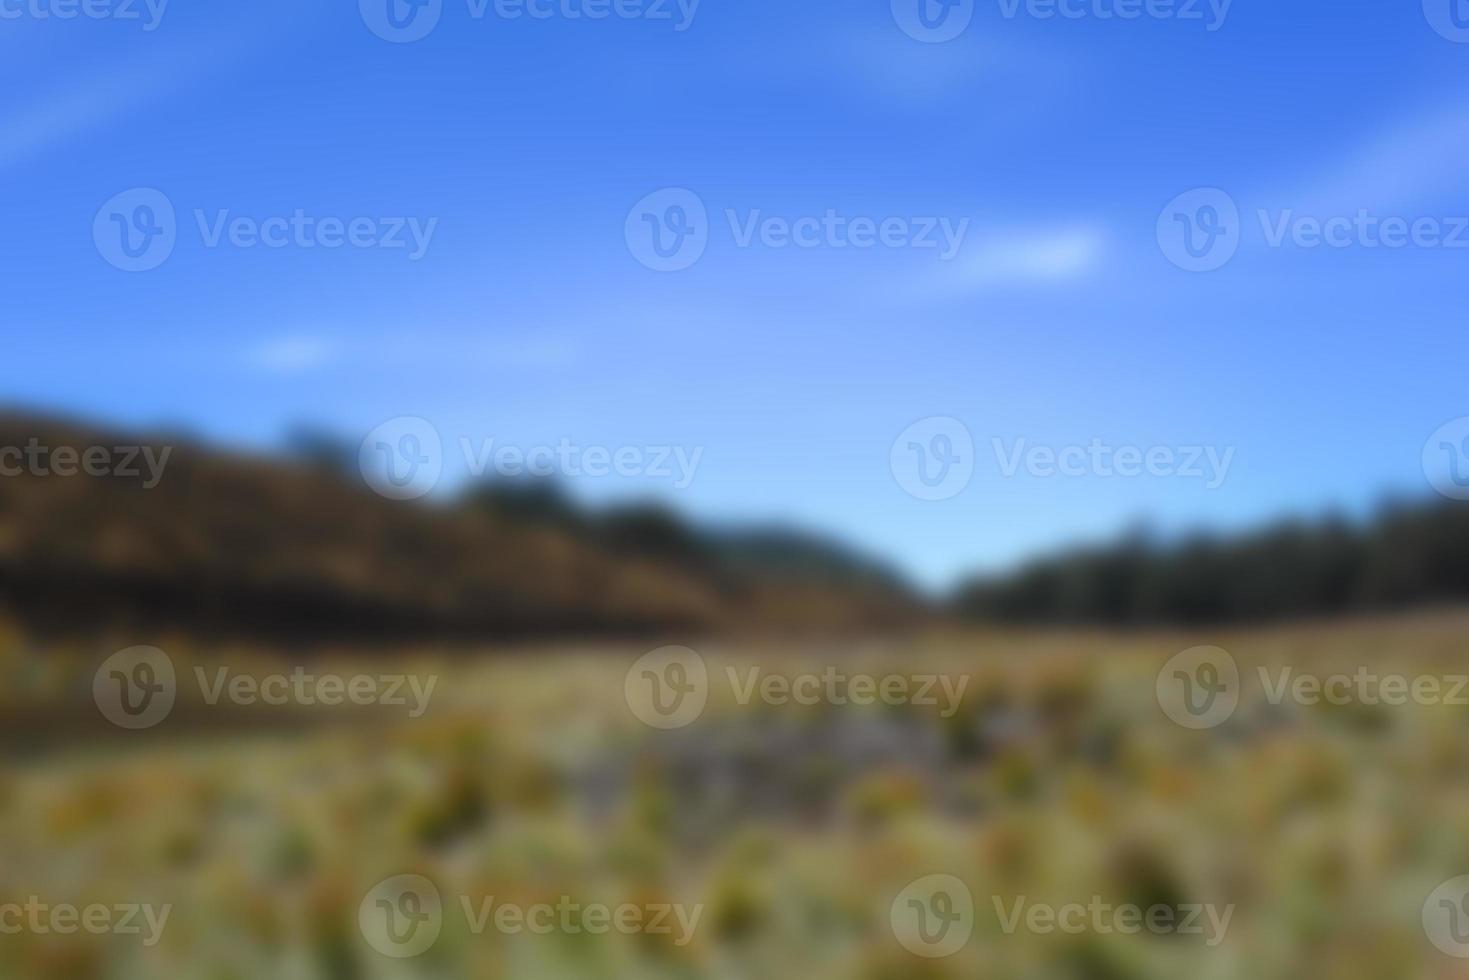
[[302, 353], [1018, 259], [1032, 258], [77, 108], [162, 63], [1410, 164]]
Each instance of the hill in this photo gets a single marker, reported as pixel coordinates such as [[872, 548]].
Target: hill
[[238, 544]]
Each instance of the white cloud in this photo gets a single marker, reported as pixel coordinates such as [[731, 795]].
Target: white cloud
[[292, 355], [1024, 258]]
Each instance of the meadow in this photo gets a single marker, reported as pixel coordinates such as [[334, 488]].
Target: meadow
[[787, 835]]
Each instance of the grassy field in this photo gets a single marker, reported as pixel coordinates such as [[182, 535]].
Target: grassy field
[[786, 834]]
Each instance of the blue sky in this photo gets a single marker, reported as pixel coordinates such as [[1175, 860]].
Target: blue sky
[[529, 318]]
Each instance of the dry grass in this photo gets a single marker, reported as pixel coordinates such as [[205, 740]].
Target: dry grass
[[1058, 778]]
